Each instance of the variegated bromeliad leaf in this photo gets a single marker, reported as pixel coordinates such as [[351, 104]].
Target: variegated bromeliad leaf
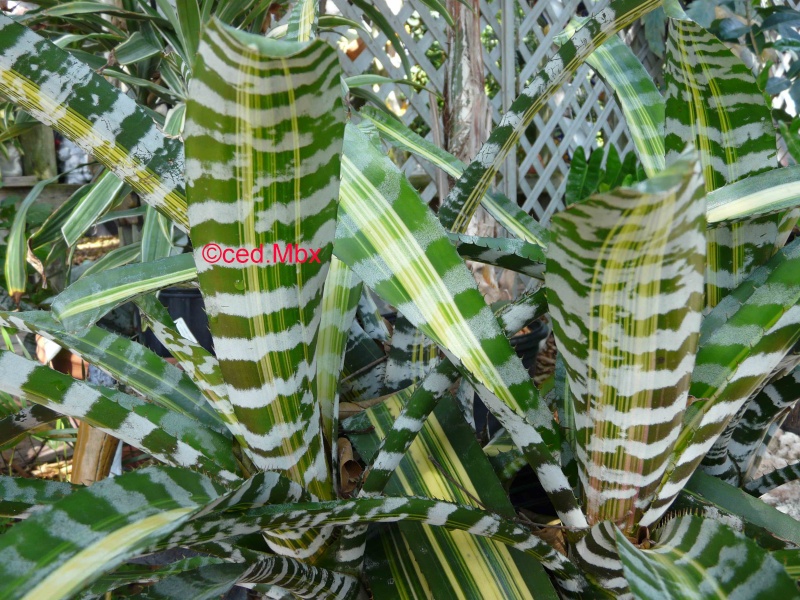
[[625, 286], [714, 102], [61, 91], [263, 137]]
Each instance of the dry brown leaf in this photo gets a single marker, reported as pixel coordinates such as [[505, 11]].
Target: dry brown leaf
[[349, 470]]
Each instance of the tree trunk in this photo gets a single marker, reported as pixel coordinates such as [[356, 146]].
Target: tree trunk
[[467, 118]]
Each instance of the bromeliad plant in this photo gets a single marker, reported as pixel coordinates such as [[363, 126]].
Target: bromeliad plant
[[674, 304]]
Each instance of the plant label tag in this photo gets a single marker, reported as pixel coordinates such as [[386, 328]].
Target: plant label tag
[[184, 330]]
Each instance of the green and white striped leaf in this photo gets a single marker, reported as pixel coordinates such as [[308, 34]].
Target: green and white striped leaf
[[411, 356], [87, 300], [364, 367], [303, 20], [747, 431], [597, 555], [505, 212], [464, 198], [528, 307], [447, 564], [199, 363], [698, 558], [714, 102], [370, 318], [742, 341], [692, 502], [514, 255], [392, 241], [19, 495], [128, 362], [298, 516], [625, 289], [263, 133], [166, 435], [298, 578], [754, 513], [64, 93], [54, 553], [775, 478], [339, 303]]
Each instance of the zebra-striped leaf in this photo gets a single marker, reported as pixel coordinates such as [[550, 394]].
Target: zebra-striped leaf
[[129, 362], [263, 133], [66, 94], [514, 255], [698, 558], [752, 511], [625, 288], [198, 363], [166, 435], [411, 356], [20, 494], [713, 101], [364, 366], [742, 340], [298, 578], [392, 241], [56, 552], [749, 428], [464, 198], [32, 419]]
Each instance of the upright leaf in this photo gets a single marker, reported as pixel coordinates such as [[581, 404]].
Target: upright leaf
[[263, 134], [713, 101], [639, 98], [625, 288], [742, 341]]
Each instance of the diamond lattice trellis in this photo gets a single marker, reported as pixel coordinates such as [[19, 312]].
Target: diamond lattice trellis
[[580, 114]]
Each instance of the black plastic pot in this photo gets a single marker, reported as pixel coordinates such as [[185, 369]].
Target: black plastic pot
[[186, 304], [527, 348]]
